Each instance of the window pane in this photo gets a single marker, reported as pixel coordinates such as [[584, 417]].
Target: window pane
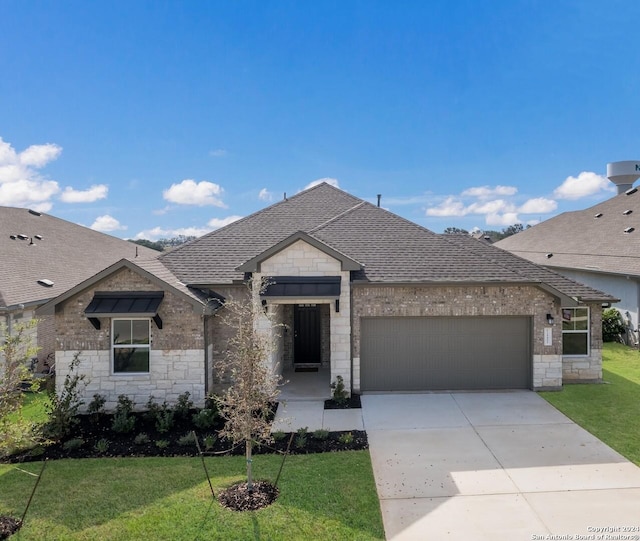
[[140, 331], [131, 360], [122, 331], [580, 319], [574, 344]]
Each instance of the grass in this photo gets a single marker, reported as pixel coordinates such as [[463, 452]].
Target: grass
[[322, 496], [609, 411]]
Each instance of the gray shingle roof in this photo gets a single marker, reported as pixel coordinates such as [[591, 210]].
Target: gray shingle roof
[[391, 248], [579, 240], [67, 254]]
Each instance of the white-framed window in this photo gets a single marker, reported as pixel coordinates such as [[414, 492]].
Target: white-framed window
[[575, 331], [130, 345]]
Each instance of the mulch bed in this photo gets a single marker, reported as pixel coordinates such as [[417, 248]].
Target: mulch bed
[[8, 526], [91, 429], [352, 402], [238, 497]]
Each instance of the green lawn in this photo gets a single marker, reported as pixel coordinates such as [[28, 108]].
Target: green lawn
[[610, 411], [323, 496]]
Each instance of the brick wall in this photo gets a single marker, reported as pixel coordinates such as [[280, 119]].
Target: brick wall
[[380, 301]]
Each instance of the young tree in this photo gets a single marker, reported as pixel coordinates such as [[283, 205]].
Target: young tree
[[253, 382], [16, 351]]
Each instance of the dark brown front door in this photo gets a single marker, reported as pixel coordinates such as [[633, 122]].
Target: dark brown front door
[[306, 334]]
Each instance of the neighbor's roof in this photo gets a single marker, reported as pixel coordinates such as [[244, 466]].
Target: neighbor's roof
[[390, 249], [593, 239], [66, 254]]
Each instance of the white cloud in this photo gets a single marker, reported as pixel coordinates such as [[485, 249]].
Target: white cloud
[[97, 191], [485, 192], [107, 223], [585, 184], [216, 223], [218, 153], [21, 184], [328, 180], [490, 207], [538, 205], [449, 207], [160, 233], [188, 192], [265, 195], [506, 219]]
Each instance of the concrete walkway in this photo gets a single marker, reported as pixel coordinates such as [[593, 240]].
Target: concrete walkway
[[310, 414], [494, 466]]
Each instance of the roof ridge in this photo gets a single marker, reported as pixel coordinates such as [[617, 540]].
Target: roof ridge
[[337, 216]]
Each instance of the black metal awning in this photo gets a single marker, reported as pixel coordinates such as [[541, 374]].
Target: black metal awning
[[124, 303], [303, 286]]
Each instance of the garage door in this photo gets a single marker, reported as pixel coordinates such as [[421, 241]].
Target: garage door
[[442, 353]]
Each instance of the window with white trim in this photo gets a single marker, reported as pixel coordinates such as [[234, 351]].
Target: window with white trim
[[130, 344], [575, 331]]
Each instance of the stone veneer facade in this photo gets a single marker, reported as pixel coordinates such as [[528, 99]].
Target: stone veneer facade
[[177, 357], [303, 259]]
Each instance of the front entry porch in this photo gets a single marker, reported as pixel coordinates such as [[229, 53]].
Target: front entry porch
[[306, 385]]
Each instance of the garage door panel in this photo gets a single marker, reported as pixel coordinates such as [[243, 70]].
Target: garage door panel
[[430, 353]]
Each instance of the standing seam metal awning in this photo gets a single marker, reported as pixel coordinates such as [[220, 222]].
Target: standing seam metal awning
[[302, 286], [124, 303]]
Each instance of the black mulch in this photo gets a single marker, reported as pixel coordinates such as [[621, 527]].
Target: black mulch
[[238, 497], [8, 526], [91, 429], [352, 402]]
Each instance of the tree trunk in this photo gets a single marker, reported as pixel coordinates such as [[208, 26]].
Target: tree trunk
[[248, 454]]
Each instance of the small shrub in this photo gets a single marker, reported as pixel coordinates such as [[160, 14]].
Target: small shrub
[[320, 434], [96, 406], [279, 435], [183, 405], [339, 392], [72, 444], [62, 409], [102, 445], [346, 438], [164, 419], [141, 439], [152, 409], [123, 421], [301, 438], [205, 418], [186, 440], [162, 444], [612, 325], [302, 431], [209, 441]]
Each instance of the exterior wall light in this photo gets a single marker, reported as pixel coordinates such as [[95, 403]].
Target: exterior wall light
[[550, 319]]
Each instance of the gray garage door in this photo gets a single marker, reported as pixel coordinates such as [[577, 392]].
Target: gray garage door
[[438, 353]]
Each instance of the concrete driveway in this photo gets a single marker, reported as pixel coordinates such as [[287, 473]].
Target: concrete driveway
[[494, 466]]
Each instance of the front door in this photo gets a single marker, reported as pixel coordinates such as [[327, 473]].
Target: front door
[[306, 334]]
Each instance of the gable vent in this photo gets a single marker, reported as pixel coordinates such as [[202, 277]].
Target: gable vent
[[631, 191], [599, 215], [629, 229], [627, 212], [45, 282]]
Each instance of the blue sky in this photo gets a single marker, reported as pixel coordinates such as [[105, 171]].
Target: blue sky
[[152, 119]]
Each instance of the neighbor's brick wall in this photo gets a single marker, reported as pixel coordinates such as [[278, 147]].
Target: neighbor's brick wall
[[381, 301], [587, 369], [177, 350]]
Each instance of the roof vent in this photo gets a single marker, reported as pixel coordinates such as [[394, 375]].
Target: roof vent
[[22, 237], [39, 237], [631, 191], [35, 212], [549, 255], [629, 229], [627, 212], [13, 237], [45, 282], [599, 215]]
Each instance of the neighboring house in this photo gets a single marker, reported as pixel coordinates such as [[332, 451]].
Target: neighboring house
[[598, 246], [43, 256], [362, 293]]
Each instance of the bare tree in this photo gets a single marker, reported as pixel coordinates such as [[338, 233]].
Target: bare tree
[[253, 381]]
